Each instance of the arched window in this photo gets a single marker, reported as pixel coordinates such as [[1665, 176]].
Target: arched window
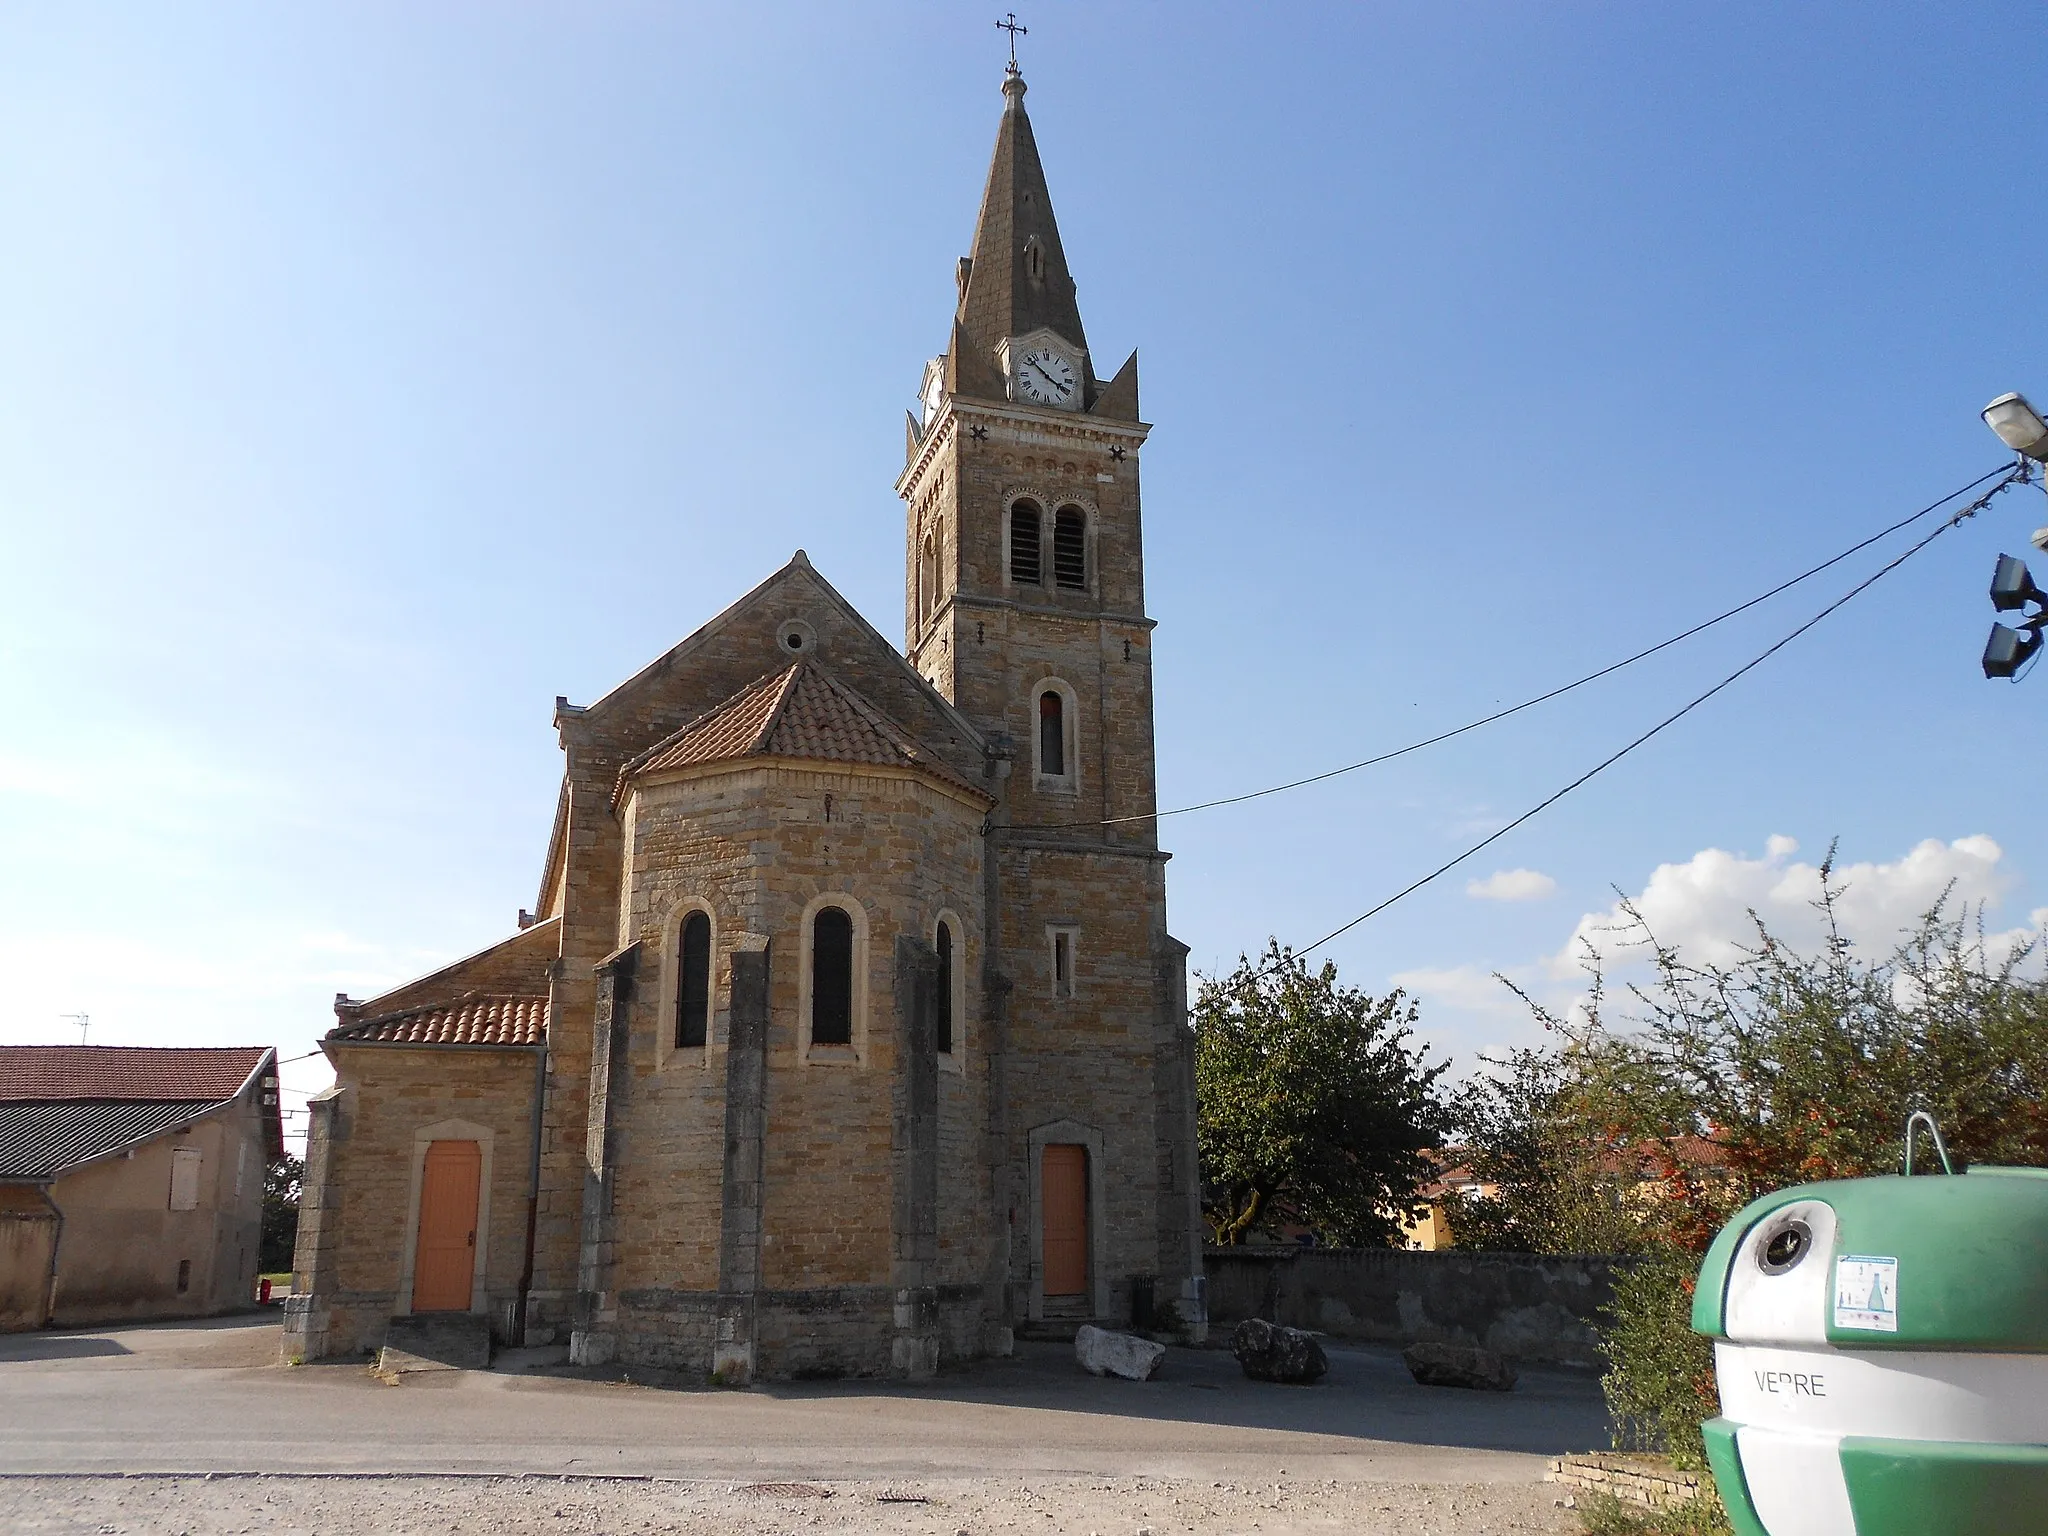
[[832, 977], [1026, 558], [693, 988], [944, 1030], [928, 578], [1070, 549], [1052, 735]]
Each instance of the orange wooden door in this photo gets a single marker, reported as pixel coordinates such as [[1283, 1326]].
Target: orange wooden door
[[444, 1263], [1063, 1188]]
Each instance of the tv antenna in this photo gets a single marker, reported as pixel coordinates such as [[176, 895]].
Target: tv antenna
[[82, 1020]]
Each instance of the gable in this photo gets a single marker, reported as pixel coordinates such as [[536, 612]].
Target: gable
[[746, 641]]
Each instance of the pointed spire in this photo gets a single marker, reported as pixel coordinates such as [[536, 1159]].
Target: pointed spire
[[1016, 281]]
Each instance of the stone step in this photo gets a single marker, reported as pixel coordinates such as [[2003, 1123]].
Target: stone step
[[436, 1341], [1061, 1330]]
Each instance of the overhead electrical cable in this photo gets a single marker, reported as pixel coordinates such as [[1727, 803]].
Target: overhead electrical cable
[[1590, 677], [2012, 477]]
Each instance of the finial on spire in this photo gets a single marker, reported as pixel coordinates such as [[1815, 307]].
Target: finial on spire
[[1011, 26]]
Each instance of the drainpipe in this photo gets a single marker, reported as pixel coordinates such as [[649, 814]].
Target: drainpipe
[[540, 1086], [56, 1244]]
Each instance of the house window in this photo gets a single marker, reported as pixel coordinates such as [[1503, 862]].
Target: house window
[[1026, 557], [1064, 943], [1070, 549], [944, 1029], [693, 987], [185, 1163], [1052, 734], [832, 977]]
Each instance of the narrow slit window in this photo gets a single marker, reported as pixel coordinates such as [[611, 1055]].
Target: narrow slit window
[[1063, 964], [1026, 558], [832, 977], [693, 993], [928, 578], [1052, 735], [1070, 549], [944, 1024]]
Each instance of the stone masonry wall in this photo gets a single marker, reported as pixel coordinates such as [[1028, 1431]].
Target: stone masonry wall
[[756, 845], [1531, 1306], [387, 1094]]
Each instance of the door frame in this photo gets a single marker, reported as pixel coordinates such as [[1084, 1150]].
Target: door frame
[[1069, 1133], [422, 1138]]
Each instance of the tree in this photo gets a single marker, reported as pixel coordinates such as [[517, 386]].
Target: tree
[[1313, 1106], [282, 1181]]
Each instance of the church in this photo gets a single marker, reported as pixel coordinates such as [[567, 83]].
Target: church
[[846, 1036]]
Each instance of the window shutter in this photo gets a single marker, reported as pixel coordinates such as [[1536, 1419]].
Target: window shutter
[[1070, 549], [1026, 559], [185, 1178]]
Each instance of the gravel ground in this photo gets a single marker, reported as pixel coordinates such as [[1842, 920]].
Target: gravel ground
[[547, 1506]]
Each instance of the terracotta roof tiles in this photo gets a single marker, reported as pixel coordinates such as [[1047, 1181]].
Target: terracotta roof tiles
[[801, 711], [510, 1021], [48, 1072]]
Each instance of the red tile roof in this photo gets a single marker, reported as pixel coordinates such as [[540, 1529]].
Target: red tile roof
[[802, 711], [471, 1021], [45, 1072]]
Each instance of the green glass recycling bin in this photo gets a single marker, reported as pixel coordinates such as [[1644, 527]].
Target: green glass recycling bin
[[1882, 1352]]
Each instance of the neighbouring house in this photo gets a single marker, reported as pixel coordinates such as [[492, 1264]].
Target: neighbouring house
[[1454, 1181], [847, 1033], [131, 1180]]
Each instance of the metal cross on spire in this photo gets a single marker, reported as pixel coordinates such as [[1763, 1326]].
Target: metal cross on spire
[[1011, 26]]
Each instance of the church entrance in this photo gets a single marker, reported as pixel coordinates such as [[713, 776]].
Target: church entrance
[[444, 1261], [1063, 1195]]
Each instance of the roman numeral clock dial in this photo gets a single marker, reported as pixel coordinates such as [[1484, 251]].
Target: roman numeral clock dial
[[1047, 378]]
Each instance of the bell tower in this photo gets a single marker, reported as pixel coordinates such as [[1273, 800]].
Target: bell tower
[[1024, 578]]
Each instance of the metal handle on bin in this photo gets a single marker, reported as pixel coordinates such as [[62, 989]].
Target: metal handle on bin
[[1914, 1121]]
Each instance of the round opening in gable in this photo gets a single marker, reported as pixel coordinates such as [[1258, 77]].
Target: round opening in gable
[[796, 636]]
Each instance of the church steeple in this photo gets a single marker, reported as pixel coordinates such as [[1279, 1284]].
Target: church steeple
[[1016, 281]]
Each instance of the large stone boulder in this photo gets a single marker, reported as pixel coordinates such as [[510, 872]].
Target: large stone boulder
[[1269, 1352], [1102, 1353], [1459, 1365]]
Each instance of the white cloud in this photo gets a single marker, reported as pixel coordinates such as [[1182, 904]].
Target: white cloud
[[1701, 907], [1466, 988], [1512, 885]]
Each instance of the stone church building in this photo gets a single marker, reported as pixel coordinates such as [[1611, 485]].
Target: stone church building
[[847, 1034]]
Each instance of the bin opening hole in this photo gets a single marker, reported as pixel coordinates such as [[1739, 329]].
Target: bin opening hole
[[1784, 1248]]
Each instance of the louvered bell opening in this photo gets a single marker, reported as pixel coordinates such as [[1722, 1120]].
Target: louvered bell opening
[[1070, 550], [1025, 558]]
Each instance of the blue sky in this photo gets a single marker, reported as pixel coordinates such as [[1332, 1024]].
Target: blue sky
[[372, 374]]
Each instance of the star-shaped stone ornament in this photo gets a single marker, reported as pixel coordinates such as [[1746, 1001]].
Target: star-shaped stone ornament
[[1117, 453], [978, 432]]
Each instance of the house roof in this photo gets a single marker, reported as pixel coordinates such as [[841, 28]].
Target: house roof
[[126, 1072], [508, 1021], [801, 711], [41, 1140]]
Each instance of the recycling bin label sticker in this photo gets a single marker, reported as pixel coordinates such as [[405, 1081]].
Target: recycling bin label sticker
[[1867, 1293]]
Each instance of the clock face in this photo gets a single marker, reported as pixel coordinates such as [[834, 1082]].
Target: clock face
[[1046, 377]]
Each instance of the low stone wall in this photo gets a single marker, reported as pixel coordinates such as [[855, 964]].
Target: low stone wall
[[1650, 1481], [1531, 1306]]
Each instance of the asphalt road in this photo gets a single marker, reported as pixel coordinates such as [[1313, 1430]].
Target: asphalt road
[[210, 1397]]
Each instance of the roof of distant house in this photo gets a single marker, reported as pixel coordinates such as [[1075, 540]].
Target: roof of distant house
[[184, 1072], [62, 1105]]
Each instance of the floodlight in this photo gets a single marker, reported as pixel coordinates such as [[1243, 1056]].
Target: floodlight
[[2008, 650], [2012, 587], [2018, 425]]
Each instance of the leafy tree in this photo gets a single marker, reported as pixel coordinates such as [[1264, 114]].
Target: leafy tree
[[1522, 1132], [1313, 1105], [282, 1182]]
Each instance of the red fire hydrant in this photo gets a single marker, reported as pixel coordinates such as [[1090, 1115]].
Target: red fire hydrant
[[263, 1290]]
